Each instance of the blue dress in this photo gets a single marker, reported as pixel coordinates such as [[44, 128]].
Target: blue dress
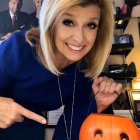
[[24, 79]]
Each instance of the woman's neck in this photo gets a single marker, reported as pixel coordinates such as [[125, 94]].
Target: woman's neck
[[62, 62]]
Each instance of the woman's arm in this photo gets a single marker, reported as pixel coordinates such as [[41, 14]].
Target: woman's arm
[[11, 112]]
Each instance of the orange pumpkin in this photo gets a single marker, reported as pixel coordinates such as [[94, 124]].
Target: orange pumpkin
[[108, 127]]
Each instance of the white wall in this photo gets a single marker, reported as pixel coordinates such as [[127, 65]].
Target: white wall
[[26, 7], [134, 55], [119, 3]]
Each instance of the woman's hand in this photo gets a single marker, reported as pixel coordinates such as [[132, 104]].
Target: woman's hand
[[11, 112], [106, 91], [7, 36]]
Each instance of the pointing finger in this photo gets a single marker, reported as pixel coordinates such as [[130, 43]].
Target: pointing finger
[[31, 115]]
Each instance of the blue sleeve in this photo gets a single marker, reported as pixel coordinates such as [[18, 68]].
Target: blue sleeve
[[10, 51]]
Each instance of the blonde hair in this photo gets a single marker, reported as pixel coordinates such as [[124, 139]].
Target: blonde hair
[[50, 12]]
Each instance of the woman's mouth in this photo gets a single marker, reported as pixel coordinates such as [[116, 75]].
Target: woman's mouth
[[75, 47]]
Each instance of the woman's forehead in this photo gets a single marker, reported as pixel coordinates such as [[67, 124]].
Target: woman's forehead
[[91, 10]]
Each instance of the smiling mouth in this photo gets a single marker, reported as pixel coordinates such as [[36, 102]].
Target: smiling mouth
[[75, 47]]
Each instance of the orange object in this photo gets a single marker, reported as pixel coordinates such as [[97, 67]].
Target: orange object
[[108, 127]]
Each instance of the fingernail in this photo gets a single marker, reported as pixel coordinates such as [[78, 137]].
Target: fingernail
[[44, 121]]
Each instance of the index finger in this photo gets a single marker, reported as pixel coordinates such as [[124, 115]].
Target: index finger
[[96, 85], [31, 115], [97, 81]]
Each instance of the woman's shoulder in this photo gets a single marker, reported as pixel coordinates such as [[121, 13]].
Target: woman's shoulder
[[14, 45], [18, 36], [14, 52], [14, 42]]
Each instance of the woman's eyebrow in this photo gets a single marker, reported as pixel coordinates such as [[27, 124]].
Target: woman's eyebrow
[[67, 14], [91, 18]]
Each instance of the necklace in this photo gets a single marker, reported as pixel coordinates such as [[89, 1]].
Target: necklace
[[72, 107]]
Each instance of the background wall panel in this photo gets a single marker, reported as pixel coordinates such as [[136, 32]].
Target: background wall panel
[[26, 7]]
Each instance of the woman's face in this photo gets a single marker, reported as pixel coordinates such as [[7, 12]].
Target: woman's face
[[75, 33], [38, 4]]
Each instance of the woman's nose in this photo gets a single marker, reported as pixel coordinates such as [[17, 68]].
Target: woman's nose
[[79, 35]]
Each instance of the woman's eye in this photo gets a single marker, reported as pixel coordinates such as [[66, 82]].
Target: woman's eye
[[92, 25], [68, 23]]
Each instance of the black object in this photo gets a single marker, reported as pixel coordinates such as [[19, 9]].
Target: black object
[[131, 3], [122, 39], [122, 44], [137, 110], [118, 68], [118, 10], [121, 24], [120, 71]]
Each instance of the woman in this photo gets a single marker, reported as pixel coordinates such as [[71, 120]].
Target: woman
[[67, 54], [35, 15]]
